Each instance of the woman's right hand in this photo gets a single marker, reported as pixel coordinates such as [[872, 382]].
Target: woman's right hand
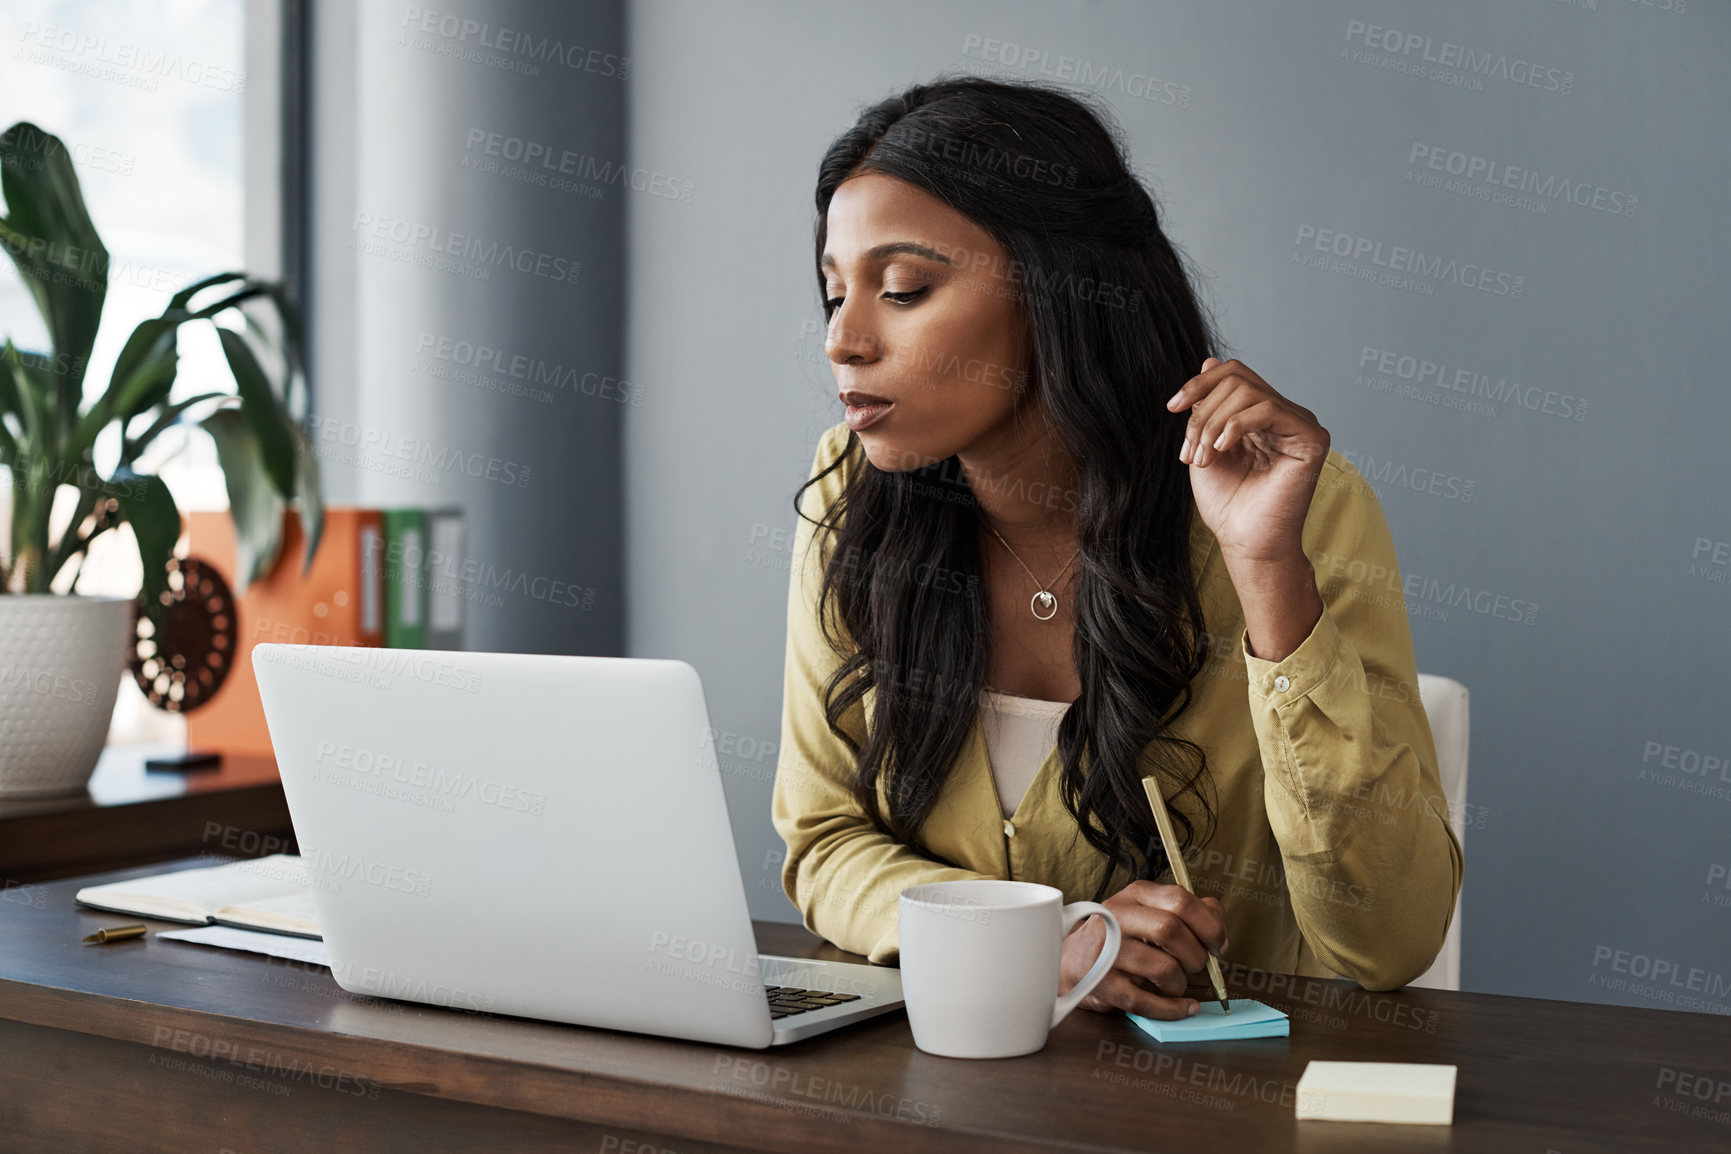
[[1168, 935]]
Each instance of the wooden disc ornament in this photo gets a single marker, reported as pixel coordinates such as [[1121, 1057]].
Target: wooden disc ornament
[[182, 652]]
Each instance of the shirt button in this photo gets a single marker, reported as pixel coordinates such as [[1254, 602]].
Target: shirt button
[[1009, 829], [1282, 683]]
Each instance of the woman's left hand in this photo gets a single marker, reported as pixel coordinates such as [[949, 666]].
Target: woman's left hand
[[1254, 458]]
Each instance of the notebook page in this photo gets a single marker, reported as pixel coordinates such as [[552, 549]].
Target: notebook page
[[274, 945], [288, 914], [195, 895]]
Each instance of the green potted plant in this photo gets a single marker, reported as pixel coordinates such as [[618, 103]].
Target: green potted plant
[[62, 654]]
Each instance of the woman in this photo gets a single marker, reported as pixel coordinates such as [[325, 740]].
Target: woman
[[1063, 547]]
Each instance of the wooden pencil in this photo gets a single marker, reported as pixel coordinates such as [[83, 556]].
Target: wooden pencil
[[1181, 874]]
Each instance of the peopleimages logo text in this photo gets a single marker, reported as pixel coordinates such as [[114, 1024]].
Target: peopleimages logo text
[[1502, 390], [1500, 175], [1401, 259], [520, 366], [422, 775], [346, 867], [96, 50], [515, 42], [1447, 54], [554, 160], [438, 242]]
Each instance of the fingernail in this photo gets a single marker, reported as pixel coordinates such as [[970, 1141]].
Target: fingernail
[[1195, 1008], [1220, 440], [1173, 401]]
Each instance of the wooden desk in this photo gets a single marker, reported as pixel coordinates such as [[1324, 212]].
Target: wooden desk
[[154, 1045], [129, 816]]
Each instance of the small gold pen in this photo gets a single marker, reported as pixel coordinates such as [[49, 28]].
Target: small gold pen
[[1181, 875], [118, 933]]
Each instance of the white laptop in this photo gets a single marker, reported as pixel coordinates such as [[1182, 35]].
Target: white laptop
[[539, 836]]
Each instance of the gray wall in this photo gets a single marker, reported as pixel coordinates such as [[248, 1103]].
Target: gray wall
[[1563, 535], [462, 357]]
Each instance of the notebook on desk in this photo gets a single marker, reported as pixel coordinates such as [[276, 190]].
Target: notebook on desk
[[273, 894]]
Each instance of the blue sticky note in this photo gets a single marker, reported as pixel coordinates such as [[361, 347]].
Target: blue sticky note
[[1248, 1019]]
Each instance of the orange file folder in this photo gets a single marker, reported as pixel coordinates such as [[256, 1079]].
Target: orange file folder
[[338, 602]]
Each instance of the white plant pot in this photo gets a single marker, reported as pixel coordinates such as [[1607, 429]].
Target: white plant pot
[[61, 660]]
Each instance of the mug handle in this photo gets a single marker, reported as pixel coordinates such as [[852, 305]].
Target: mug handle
[[1073, 913]]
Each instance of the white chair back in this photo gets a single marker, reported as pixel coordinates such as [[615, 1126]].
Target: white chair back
[[1445, 704]]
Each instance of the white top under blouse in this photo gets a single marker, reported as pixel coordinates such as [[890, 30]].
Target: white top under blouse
[[1019, 733]]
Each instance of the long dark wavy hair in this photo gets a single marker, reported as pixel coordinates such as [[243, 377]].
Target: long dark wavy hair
[[1116, 328]]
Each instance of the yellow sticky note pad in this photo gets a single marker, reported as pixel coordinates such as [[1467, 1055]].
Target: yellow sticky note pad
[[1410, 1092]]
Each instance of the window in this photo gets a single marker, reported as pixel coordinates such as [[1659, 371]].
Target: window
[[149, 99]]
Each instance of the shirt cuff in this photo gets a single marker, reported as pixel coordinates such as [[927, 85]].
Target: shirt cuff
[[1302, 670]]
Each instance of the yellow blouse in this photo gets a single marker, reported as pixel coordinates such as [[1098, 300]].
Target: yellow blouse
[[1331, 841]]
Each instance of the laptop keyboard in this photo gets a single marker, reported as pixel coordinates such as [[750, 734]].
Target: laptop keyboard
[[785, 1001]]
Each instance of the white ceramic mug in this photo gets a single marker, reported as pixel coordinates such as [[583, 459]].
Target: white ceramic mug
[[979, 963]]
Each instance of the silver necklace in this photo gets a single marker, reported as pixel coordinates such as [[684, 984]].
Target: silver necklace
[[1045, 598]]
